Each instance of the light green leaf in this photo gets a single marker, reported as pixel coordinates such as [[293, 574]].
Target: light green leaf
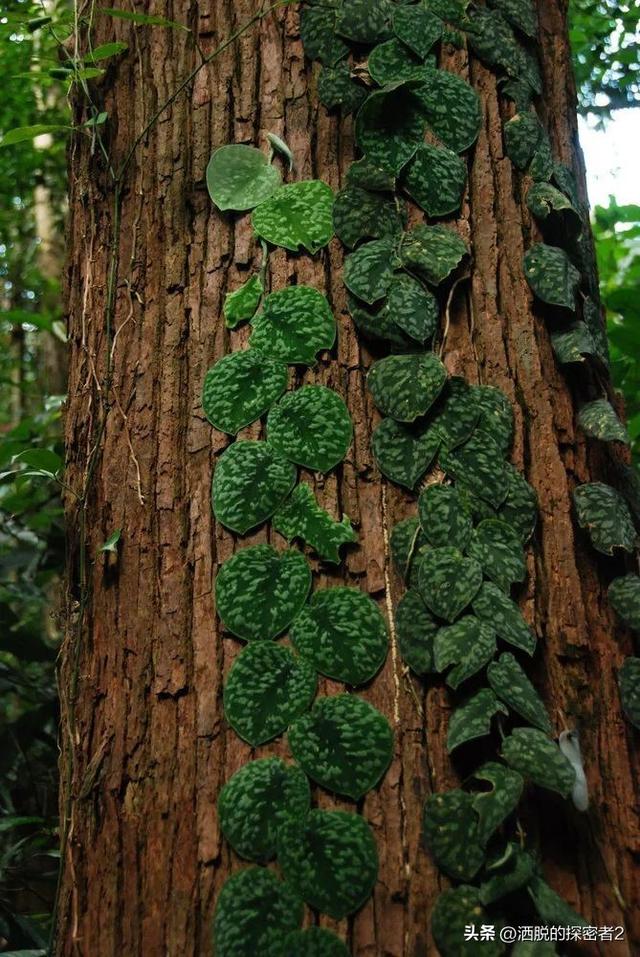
[[534, 755], [448, 581], [444, 517], [111, 544], [624, 595], [22, 133], [552, 276], [300, 516], [240, 177], [46, 460], [360, 214], [105, 50], [298, 214], [295, 324], [242, 304], [144, 19], [415, 632], [259, 591], [512, 686], [493, 807], [432, 251], [256, 802], [330, 857], [343, 634], [405, 387], [603, 512], [497, 609], [343, 743], [253, 913], [250, 480], [240, 388], [599, 419], [629, 682], [279, 147], [468, 644], [435, 178], [472, 719], [404, 452], [310, 426], [268, 687], [450, 829]]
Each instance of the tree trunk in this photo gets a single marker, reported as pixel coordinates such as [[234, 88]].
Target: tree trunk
[[145, 746]]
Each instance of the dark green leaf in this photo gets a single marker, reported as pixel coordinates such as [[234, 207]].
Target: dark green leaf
[[452, 109], [240, 177], [295, 324], [573, 343], [496, 415], [144, 19], [311, 427], [624, 595], [457, 413], [435, 178], [360, 214], [254, 912], [478, 466], [403, 452], [599, 419], [413, 308], [496, 608], [418, 27], [363, 21], [432, 251], [543, 200], [376, 322], [318, 32], [512, 686], [415, 631], [629, 682], [450, 829], [520, 13], [534, 755], [604, 513], [390, 126], [407, 538], [300, 516], [369, 270], [336, 88], [552, 276], [497, 547], [520, 508], [298, 214], [473, 718], [46, 460], [314, 942], [456, 910], [511, 871], [521, 138], [250, 480], [468, 644], [494, 806], [444, 517], [393, 62], [368, 175], [240, 388], [405, 387], [551, 907]]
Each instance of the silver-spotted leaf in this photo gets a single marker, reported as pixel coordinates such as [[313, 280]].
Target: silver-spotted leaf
[[362, 214], [455, 910], [468, 644], [495, 805], [242, 304], [534, 755], [496, 415], [259, 591], [343, 743], [390, 126], [512, 686], [330, 857], [624, 595], [415, 631], [451, 11], [418, 28], [520, 13], [552, 908], [592, 314], [435, 178], [472, 719], [406, 541], [405, 387], [573, 343], [599, 419], [240, 388], [510, 871], [368, 270], [254, 913], [314, 942], [412, 307], [629, 683], [295, 324], [444, 517], [337, 88], [541, 165], [497, 547], [310, 426], [300, 516], [376, 322], [298, 214], [452, 109], [240, 177], [604, 513], [404, 452], [367, 175], [552, 276], [522, 136], [433, 252], [268, 687], [545, 201], [250, 480], [256, 801], [393, 62], [478, 466], [363, 21], [497, 609], [343, 634], [318, 32], [492, 39], [520, 508], [450, 830], [457, 412]]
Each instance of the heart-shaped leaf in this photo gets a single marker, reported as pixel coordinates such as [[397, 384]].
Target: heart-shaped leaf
[[300, 516], [368, 175], [376, 322], [444, 517], [452, 109], [493, 41], [624, 595], [468, 644], [520, 13], [415, 632], [629, 682], [432, 251], [496, 415], [259, 591], [393, 62], [497, 609], [240, 177], [240, 388], [268, 687], [494, 806], [455, 911], [448, 581], [295, 324], [534, 755], [404, 452], [418, 28], [599, 419], [412, 307], [512, 686], [318, 32], [478, 466], [314, 942], [363, 21], [254, 912], [521, 137], [298, 214], [573, 343], [311, 427], [336, 88], [390, 126], [512, 870], [604, 513], [405, 387], [343, 634], [547, 203], [369, 270], [473, 718], [406, 541], [344, 744], [456, 414], [450, 830], [250, 481], [497, 547], [330, 857], [520, 508], [242, 304], [552, 276], [435, 178], [255, 802], [360, 214]]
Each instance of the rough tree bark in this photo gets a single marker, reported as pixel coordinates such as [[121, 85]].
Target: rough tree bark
[[146, 748]]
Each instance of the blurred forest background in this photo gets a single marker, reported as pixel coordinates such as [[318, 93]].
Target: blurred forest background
[[38, 76]]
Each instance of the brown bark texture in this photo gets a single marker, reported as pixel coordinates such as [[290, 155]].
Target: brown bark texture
[[146, 748]]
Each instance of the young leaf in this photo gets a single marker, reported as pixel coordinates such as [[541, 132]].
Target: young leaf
[[240, 177], [21, 133], [144, 19], [111, 544], [242, 304], [105, 50], [254, 912], [312, 427], [300, 516], [240, 388], [298, 214], [250, 481]]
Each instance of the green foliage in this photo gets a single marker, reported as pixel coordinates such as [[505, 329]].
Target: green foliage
[[535, 756], [629, 681], [242, 304], [444, 517], [552, 276], [477, 466], [494, 806], [253, 914], [310, 426], [314, 942], [294, 325], [472, 719], [405, 387], [360, 214], [418, 27], [450, 829], [300, 516], [493, 606], [497, 548], [240, 177], [448, 581], [435, 178], [416, 629], [469, 644], [433, 252], [512, 686], [604, 41], [403, 452], [603, 511], [624, 595], [240, 388], [295, 215], [454, 911], [599, 419], [250, 481]]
